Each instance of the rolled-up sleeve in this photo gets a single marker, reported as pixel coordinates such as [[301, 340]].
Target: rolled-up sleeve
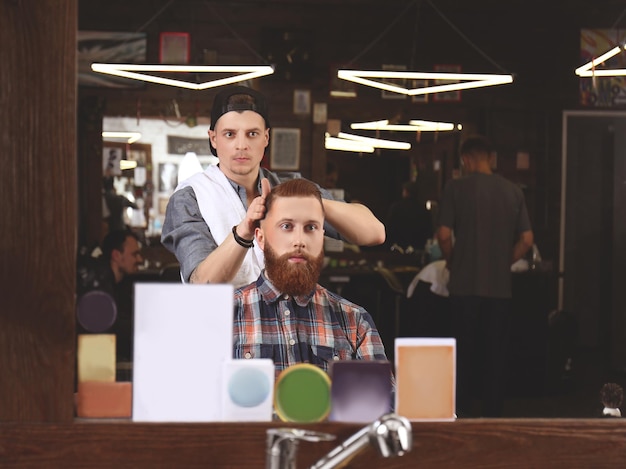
[[369, 345], [185, 233]]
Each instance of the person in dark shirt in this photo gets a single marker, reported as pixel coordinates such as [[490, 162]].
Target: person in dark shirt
[[121, 257], [484, 228], [409, 222]]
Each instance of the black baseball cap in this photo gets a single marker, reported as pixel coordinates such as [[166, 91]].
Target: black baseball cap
[[221, 105]]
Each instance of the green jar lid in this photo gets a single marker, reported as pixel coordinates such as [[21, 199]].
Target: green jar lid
[[302, 394]]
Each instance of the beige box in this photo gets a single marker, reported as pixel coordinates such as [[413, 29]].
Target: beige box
[[425, 378], [96, 357]]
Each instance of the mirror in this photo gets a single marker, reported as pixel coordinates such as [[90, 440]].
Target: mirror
[[574, 374]]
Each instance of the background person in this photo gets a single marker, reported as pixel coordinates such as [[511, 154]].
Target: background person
[[120, 258], [488, 218], [123, 251], [285, 314], [409, 222], [210, 218]]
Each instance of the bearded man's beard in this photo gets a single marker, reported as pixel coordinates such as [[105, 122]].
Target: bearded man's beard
[[295, 279]]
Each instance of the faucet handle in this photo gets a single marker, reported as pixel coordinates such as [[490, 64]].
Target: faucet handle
[[392, 435], [282, 445]]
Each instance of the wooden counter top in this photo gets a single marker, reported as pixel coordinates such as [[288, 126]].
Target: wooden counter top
[[467, 443]]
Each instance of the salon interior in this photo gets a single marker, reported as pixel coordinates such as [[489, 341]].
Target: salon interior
[[530, 80]]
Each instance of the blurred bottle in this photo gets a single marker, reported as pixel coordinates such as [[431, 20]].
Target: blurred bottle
[[535, 259]]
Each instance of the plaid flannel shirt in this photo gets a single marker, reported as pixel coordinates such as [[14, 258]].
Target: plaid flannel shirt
[[318, 328]]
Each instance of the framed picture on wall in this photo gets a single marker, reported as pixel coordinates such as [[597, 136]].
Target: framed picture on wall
[[174, 48], [285, 152], [109, 47], [111, 157], [302, 102], [168, 177]]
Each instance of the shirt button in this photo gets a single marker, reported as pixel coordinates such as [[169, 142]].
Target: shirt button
[[292, 342], [286, 297], [248, 355], [287, 312]]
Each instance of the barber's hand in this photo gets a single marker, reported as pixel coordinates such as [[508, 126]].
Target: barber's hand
[[256, 211]]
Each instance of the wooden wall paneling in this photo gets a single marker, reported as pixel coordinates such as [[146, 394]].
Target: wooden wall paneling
[[318, 153], [38, 204], [89, 167]]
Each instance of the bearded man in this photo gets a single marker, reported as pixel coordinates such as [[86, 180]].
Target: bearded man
[[285, 314]]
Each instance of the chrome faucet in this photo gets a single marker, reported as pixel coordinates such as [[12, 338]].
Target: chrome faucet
[[282, 446], [391, 435]]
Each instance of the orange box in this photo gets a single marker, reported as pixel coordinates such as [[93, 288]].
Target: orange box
[[100, 399]]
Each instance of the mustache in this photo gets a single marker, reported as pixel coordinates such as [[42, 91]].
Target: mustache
[[298, 253]]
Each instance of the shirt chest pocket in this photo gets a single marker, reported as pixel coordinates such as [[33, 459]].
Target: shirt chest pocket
[[323, 355], [254, 351], [315, 354]]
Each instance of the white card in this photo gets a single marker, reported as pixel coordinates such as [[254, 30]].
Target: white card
[[183, 335], [248, 390]]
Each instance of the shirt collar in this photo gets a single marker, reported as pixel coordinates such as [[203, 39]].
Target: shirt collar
[[240, 189], [270, 294]]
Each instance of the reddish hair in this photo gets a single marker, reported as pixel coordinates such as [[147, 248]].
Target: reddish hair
[[293, 188]]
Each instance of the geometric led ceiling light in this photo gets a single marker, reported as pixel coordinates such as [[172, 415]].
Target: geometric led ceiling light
[[129, 137], [335, 143], [376, 142], [589, 70], [459, 81], [434, 126], [142, 72], [412, 126]]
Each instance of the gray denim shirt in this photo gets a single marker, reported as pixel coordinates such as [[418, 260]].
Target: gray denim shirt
[[187, 235]]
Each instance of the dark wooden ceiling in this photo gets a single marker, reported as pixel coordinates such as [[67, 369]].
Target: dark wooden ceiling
[[485, 35], [537, 41]]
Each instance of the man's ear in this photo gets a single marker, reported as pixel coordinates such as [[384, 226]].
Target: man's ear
[[260, 238], [116, 255], [267, 137]]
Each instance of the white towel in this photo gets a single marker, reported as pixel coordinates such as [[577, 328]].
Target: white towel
[[434, 273], [221, 208]]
